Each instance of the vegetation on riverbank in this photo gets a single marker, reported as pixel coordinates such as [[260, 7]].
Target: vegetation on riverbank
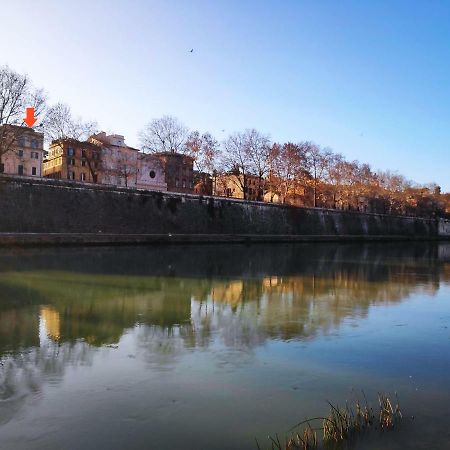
[[341, 425]]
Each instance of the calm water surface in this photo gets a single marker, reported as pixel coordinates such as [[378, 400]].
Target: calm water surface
[[209, 347]]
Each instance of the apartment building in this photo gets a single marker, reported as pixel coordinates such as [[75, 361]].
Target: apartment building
[[70, 159], [21, 151], [248, 187], [178, 171], [126, 166]]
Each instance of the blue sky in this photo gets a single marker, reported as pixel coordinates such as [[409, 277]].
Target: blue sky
[[370, 79]]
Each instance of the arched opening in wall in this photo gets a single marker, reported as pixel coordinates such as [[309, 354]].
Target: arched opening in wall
[[152, 174]]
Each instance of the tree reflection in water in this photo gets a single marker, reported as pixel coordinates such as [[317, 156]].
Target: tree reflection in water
[[58, 306]]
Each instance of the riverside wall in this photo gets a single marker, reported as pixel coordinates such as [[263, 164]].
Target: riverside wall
[[62, 211]]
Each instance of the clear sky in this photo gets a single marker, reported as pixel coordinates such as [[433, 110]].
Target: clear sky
[[370, 79]]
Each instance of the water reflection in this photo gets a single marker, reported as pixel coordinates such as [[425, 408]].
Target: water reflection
[[59, 307]]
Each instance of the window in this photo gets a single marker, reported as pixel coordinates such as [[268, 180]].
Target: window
[[71, 176], [33, 171], [70, 151], [83, 162], [176, 182], [152, 174], [83, 176], [83, 153], [21, 142], [34, 143], [71, 162], [2, 168], [20, 153], [34, 155], [184, 183], [20, 170]]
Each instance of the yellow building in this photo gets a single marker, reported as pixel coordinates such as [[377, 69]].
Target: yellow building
[[248, 187], [69, 159]]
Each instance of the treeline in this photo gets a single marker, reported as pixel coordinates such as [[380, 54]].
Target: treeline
[[301, 173]]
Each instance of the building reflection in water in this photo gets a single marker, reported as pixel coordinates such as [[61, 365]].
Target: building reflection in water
[[52, 317]]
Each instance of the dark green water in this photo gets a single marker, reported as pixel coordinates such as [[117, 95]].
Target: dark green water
[[208, 347]]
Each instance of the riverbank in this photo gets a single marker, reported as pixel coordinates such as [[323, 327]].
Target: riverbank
[[47, 212], [101, 239]]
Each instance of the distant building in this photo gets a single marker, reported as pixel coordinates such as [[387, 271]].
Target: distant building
[[178, 171], [126, 166], [119, 161], [150, 174], [203, 183], [69, 159], [232, 185], [22, 151]]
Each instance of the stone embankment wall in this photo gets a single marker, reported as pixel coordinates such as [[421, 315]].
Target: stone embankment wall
[[48, 206]]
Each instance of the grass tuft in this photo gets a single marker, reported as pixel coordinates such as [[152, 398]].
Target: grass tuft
[[342, 424]]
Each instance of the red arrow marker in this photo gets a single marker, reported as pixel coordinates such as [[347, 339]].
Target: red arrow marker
[[30, 120]]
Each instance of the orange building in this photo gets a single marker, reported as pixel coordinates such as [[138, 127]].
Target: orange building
[[69, 159]]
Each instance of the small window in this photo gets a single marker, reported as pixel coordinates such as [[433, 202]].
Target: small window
[[2, 167], [83, 176], [20, 170], [152, 174], [72, 162], [83, 162], [176, 182], [71, 175], [70, 151], [34, 143], [33, 171], [184, 183], [83, 153], [20, 153]]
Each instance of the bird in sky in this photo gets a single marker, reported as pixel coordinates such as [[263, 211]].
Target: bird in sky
[[191, 50]]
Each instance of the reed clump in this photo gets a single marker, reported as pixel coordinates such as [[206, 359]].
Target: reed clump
[[341, 425]]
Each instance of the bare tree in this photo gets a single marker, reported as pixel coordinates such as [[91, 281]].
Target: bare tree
[[258, 149], [317, 163], [236, 161], [166, 134], [204, 149], [16, 94], [60, 126], [287, 169], [246, 154], [58, 123]]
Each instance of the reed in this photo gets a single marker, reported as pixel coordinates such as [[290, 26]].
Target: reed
[[342, 424]]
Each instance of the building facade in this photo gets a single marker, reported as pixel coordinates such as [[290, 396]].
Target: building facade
[[150, 173], [69, 159], [178, 171], [21, 151], [126, 166], [238, 186], [119, 161]]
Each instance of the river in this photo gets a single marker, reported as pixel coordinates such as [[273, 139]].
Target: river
[[210, 347]]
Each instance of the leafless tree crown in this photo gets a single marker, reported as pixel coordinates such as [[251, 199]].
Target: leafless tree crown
[[166, 134]]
